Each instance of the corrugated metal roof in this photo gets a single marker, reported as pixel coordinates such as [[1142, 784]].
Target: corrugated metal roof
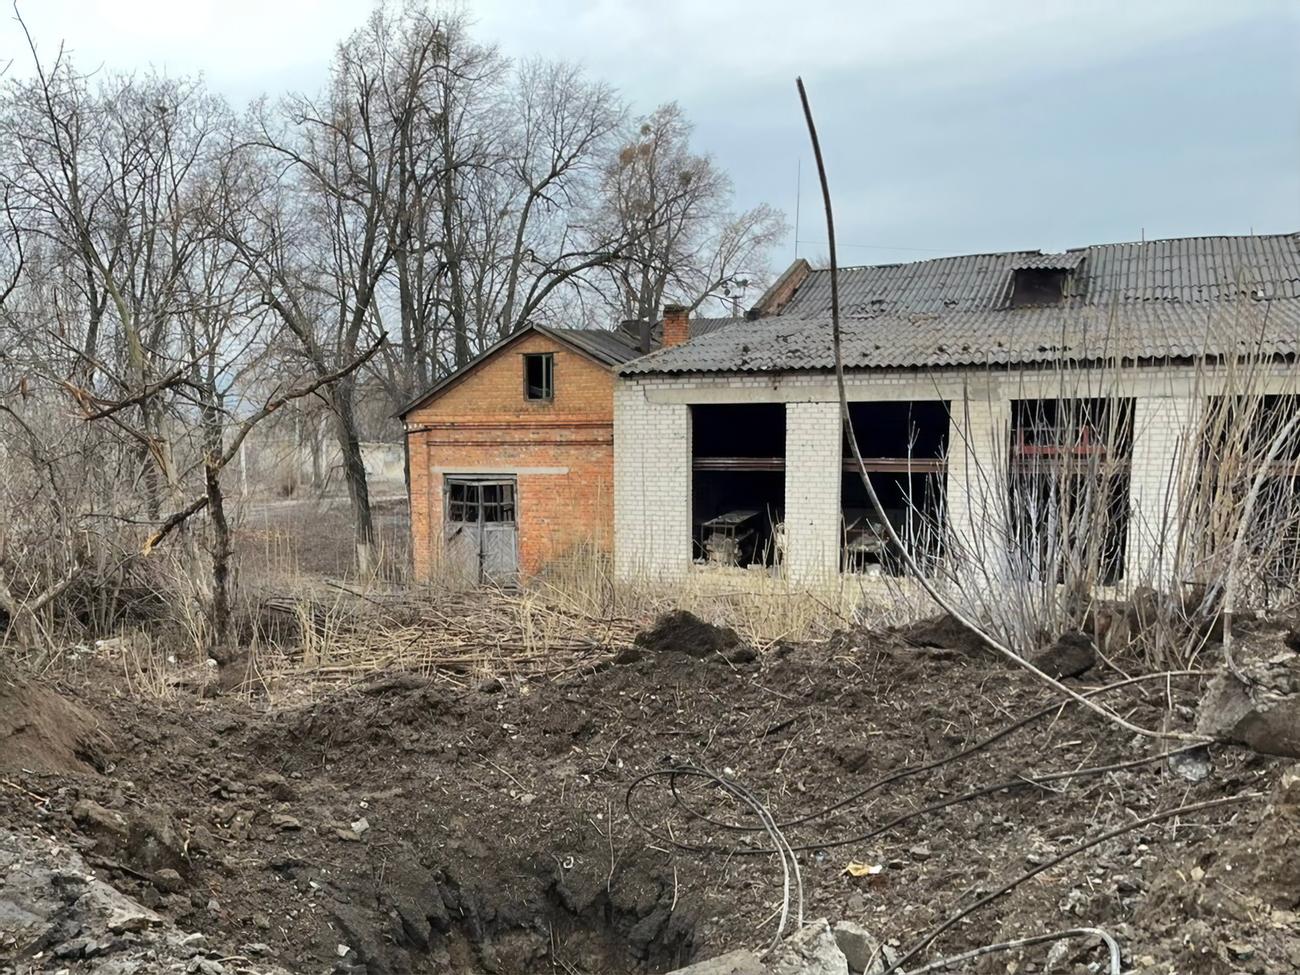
[[1151, 300], [613, 348]]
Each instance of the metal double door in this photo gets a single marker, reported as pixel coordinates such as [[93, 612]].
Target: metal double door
[[481, 531]]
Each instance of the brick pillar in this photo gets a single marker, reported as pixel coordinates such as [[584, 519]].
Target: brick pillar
[[652, 485], [813, 468], [1162, 433], [677, 325], [977, 482]]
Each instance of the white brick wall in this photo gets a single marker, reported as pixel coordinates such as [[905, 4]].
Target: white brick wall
[[813, 466], [1162, 434], [652, 452], [652, 485], [977, 475]]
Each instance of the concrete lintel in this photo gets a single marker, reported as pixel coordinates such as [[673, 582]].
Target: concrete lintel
[[498, 470]]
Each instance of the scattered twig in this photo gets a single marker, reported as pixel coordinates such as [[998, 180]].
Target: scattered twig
[[1078, 848], [1112, 949]]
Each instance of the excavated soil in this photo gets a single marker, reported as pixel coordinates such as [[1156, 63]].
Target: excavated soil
[[411, 825]]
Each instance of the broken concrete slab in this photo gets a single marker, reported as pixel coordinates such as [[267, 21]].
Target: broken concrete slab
[[50, 901], [742, 962], [812, 950]]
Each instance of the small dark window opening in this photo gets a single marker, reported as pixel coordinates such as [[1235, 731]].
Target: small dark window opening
[[462, 502], [489, 504], [1031, 286], [498, 503], [539, 376]]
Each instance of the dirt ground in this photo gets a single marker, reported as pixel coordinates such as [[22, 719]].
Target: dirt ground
[[409, 824]]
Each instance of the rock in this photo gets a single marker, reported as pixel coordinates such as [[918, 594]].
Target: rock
[[1069, 656], [1262, 711], [155, 843], [1241, 950], [168, 881], [276, 786], [920, 852], [810, 951], [225, 723], [98, 821], [261, 922], [129, 917], [1194, 765], [347, 835], [361, 825], [282, 822], [202, 840], [740, 962], [861, 950]]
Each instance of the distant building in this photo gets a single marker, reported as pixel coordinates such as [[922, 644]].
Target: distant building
[[511, 458]]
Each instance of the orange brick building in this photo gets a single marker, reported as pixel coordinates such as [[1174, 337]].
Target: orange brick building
[[512, 457]]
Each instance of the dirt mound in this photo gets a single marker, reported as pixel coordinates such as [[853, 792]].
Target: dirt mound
[[684, 632], [44, 731], [941, 632], [438, 824]]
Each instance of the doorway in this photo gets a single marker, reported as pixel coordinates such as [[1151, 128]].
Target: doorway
[[481, 533]]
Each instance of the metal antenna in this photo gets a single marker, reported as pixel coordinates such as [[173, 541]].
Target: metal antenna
[[798, 185]]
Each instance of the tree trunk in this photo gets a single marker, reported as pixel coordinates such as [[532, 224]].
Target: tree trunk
[[354, 473], [220, 551]]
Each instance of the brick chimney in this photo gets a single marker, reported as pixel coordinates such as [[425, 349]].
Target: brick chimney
[[677, 325]]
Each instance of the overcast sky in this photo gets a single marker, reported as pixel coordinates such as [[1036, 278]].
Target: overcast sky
[[950, 126]]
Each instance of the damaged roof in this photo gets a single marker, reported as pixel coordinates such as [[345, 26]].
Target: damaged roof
[[1158, 299]]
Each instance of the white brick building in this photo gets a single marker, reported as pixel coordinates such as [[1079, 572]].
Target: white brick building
[[968, 378]]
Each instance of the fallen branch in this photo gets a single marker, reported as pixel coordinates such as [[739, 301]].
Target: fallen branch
[[1112, 949]]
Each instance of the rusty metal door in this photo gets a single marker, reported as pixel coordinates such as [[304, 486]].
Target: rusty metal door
[[481, 532]]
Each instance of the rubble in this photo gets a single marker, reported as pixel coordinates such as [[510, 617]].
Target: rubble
[[740, 962], [812, 950], [1259, 705], [53, 905], [861, 950]]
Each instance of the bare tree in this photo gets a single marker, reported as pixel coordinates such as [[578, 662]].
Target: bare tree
[[673, 206]]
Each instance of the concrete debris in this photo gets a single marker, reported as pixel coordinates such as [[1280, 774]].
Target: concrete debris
[[812, 950], [861, 950], [1194, 766], [1260, 708], [97, 821], [360, 826], [129, 916], [740, 962], [52, 905]]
